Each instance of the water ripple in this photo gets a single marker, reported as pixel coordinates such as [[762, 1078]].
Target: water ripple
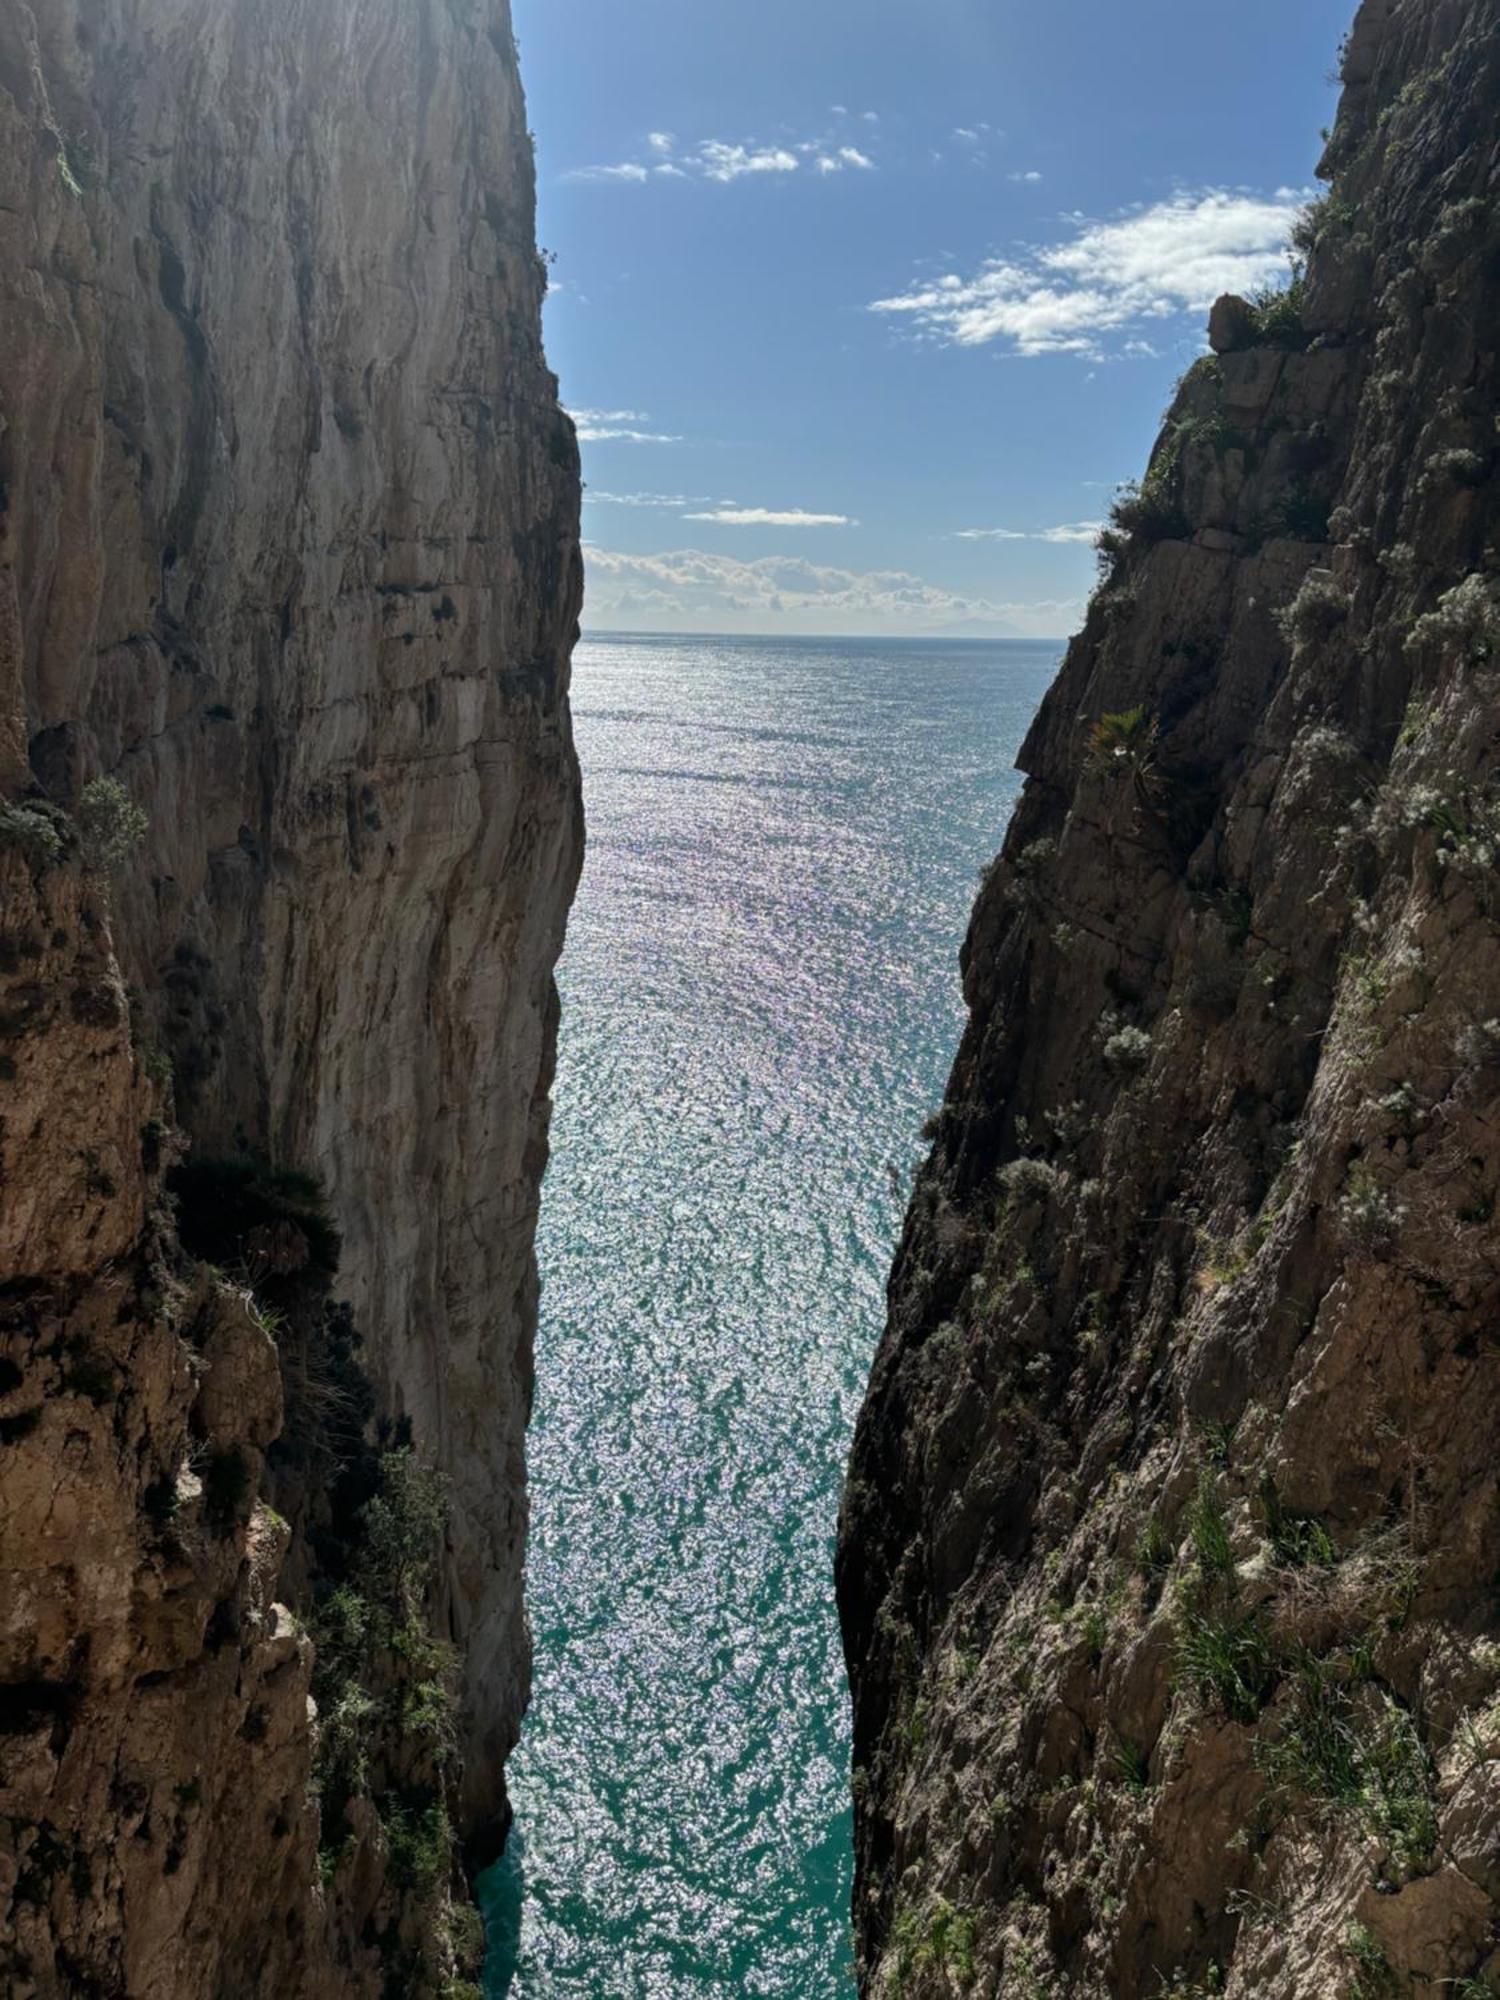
[[761, 1000]]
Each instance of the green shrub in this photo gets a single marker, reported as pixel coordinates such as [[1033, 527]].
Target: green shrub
[[420, 1840], [1303, 515], [1149, 512], [33, 831], [111, 826], [1276, 316]]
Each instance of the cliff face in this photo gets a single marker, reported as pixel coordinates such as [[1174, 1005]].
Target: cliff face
[[288, 552], [1169, 1550]]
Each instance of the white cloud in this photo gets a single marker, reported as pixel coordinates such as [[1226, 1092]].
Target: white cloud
[[1030, 178], [1151, 263], [1071, 531], [846, 156], [618, 426], [720, 161], [628, 170], [675, 501], [690, 589], [770, 517]]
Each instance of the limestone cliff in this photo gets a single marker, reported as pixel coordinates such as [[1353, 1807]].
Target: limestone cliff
[[1171, 1540], [289, 568]]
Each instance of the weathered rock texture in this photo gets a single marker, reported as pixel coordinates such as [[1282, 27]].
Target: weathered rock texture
[[1171, 1541], [288, 546]]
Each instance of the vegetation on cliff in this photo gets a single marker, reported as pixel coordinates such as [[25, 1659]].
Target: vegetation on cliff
[[1169, 1543]]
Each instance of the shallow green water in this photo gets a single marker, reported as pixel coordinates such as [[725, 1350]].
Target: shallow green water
[[761, 1003]]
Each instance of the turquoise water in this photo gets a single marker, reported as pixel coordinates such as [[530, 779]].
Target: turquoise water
[[760, 1007]]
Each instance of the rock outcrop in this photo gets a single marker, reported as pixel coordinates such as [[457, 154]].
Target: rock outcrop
[[289, 825], [1170, 1545]]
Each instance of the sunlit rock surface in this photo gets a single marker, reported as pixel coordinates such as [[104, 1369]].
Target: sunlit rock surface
[[289, 548], [1171, 1532]]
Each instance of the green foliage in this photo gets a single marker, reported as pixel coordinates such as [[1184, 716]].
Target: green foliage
[[1208, 1529], [34, 831], [1124, 745], [1276, 317], [1226, 1660], [111, 826], [420, 1840], [1154, 1548], [381, 1680], [1371, 1216], [404, 1526], [1131, 1765], [220, 1202], [942, 1938], [1355, 1750], [1149, 512], [1303, 515], [1329, 213], [1298, 1540], [1374, 1976]]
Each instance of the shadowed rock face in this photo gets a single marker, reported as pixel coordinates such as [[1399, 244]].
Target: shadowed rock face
[[1170, 1540], [288, 546]]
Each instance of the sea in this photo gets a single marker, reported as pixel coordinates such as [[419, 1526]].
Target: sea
[[761, 1003]]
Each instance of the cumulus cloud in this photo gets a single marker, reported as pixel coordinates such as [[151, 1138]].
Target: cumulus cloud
[[1151, 263], [690, 589], [846, 156], [719, 161], [723, 161], [770, 517], [1030, 178], [1070, 531]]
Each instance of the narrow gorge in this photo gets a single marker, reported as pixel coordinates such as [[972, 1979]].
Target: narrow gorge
[[289, 580], [1170, 1543], [1168, 1560]]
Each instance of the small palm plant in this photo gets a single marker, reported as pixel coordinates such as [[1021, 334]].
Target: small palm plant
[[1124, 746]]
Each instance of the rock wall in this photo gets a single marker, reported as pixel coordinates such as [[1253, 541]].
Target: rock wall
[[1171, 1538], [289, 552]]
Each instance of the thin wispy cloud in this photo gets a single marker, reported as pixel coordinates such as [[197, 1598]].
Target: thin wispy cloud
[[1030, 178], [628, 170], [676, 502], [722, 161], [772, 517], [694, 589], [619, 427], [1071, 531], [1149, 264]]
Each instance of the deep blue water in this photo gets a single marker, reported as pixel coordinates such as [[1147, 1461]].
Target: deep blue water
[[761, 1003]]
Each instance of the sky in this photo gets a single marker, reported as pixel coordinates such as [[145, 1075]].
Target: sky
[[865, 307]]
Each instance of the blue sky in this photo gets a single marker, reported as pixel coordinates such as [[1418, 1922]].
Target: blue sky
[[865, 306]]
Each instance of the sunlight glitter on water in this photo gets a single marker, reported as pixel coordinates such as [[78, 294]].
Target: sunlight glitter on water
[[761, 1003]]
